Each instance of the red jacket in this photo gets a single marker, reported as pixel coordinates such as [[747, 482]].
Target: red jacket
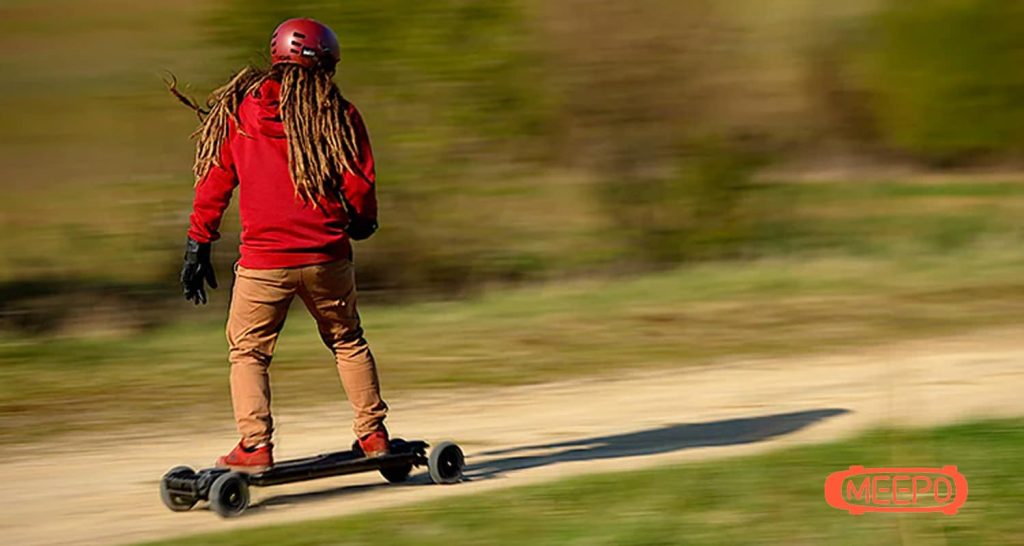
[[278, 229]]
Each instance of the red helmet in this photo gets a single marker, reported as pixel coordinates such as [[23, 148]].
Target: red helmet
[[305, 42]]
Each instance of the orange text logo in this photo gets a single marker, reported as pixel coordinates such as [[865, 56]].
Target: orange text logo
[[860, 490]]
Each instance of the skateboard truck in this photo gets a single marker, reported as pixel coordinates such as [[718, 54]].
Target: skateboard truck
[[228, 490]]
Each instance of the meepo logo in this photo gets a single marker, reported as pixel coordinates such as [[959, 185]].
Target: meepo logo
[[860, 490]]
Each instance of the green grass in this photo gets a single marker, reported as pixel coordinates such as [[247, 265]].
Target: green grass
[[766, 499], [696, 315]]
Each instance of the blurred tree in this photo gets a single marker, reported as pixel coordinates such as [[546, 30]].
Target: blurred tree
[[944, 76], [699, 210], [632, 77]]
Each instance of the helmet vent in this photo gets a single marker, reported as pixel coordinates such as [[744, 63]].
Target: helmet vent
[[304, 42]]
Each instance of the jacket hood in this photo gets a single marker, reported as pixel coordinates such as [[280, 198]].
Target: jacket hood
[[260, 112]]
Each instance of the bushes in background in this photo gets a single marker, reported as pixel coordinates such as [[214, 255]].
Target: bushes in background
[[699, 209], [944, 77]]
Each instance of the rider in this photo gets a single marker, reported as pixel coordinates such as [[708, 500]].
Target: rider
[[301, 157]]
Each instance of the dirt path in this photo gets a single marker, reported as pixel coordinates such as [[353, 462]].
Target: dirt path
[[529, 434]]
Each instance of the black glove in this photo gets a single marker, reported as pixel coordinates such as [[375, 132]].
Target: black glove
[[197, 269], [360, 228]]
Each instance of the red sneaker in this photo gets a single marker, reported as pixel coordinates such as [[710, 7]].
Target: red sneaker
[[245, 459], [375, 444]]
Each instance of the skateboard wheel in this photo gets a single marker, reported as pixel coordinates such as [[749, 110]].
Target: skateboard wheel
[[229, 494], [445, 463], [174, 501]]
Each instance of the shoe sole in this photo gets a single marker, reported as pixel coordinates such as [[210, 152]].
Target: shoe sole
[[245, 469]]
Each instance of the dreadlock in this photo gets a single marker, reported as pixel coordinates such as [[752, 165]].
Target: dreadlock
[[321, 138]]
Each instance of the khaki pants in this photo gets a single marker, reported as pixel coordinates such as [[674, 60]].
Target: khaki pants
[[259, 304]]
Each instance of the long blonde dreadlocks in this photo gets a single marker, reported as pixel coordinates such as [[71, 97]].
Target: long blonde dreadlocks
[[322, 142]]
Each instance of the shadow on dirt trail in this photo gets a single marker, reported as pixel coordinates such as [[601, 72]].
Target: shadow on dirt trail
[[650, 442], [653, 441]]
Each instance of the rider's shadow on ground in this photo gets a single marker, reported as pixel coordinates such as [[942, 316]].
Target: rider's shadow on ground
[[653, 441]]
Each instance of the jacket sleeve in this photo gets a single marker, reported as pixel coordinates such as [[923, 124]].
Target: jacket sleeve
[[361, 187], [213, 194]]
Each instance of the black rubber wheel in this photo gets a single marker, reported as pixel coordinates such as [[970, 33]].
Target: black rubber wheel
[[445, 463], [174, 501], [396, 474], [229, 494]]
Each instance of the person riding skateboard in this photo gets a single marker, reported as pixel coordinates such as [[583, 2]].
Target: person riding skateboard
[[300, 155]]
